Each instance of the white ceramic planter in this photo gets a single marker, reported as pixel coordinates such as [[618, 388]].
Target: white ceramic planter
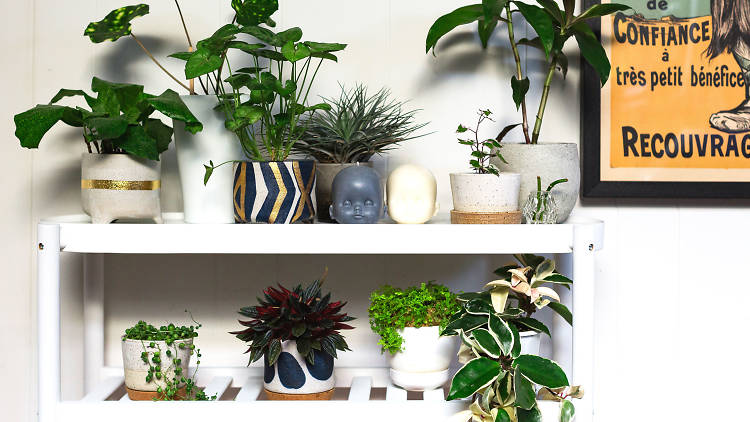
[[424, 363], [115, 186], [292, 374], [550, 410], [531, 342], [136, 369], [549, 161], [210, 203], [485, 192]]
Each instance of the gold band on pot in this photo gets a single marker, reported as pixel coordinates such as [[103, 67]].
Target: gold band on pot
[[121, 184]]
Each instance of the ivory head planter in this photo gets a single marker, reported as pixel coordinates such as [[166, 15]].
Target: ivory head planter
[[412, 195]]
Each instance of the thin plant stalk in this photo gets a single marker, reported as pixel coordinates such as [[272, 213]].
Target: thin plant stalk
[[543, 102], [190, 42], [519, 71], [148, 53]]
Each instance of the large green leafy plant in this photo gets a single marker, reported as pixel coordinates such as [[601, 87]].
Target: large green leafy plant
[[392, 309], [553, 27], [118, 121]]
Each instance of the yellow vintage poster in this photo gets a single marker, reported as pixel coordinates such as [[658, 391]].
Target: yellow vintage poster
[[676, 107]]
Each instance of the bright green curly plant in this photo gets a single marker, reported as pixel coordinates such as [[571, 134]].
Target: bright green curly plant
[[392, 309]]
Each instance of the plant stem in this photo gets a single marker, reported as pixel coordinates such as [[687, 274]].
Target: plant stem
[[543, 102], [148, 53], [190, 42], [519, 71]]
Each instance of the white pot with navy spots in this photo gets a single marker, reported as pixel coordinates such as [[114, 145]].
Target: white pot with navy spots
[[292, 374]]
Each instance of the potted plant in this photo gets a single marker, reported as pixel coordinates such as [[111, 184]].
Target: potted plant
[[500, 375], [156, 362], [296, 332], [202, 203], [265, 106], [408, 322], [120, 175], [553, 27], [357, 127], [541, 206], [485, 190]]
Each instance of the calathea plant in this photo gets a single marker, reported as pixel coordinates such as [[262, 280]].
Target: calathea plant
[[553, 27], [482, 150], [302, 314], [119, 120]]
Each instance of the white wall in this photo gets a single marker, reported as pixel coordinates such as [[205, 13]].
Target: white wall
[[670, 322]]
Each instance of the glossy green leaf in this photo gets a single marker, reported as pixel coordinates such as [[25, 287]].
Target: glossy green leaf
[[541, 22], [263, 34], [65, 93], [292, 35], [254, 12], [323, 47], [472, 377], [448, 22], [516, 351], [107, 128], [182, 55], [562, 310], [532, 415], [541, 371], [478, 307], [116, 24], [274, 350], [171, 105], [502, 332], [559, 279], [270, 54], [243, 46], [525, 395], [160, 132], [466, 323], [545, 269], [553, 9], [502, 416], [487, 342], [299, 329], [202, 62], [567, 411], [206, 177], [33, 124], [319, 106], [136, 142], [520, 89], [295, 52], [599, 10], [534, 42], [532, 324], [485, 29], [592, 51], [239, 80]]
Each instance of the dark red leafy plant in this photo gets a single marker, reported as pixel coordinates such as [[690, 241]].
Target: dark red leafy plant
[[301, 314]]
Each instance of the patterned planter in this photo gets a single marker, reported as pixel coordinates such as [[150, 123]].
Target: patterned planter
[[136, 369], [293, 378], [275, 192]]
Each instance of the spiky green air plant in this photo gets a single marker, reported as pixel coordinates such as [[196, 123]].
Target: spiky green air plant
[[300, 314], [357, 127]]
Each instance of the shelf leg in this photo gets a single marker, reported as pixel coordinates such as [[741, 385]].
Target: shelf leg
[[93, 317], [48, 314], [584, 274]]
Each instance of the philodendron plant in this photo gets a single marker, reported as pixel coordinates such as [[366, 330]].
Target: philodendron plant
[[119, 120], [553, 27], [502, 380]]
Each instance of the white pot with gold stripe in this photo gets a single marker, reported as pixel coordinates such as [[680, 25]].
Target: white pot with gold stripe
[[120, 186]]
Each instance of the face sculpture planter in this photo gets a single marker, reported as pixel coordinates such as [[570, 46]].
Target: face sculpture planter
[[357, 196], [412, 195]]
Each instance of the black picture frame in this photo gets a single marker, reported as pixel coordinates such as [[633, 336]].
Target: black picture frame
[[593, 187]]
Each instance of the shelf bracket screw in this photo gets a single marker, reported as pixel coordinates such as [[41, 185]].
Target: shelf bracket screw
[[591, 247], [41, 246]]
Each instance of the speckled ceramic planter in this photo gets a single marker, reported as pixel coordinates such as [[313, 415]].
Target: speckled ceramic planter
[[325, 173], [136, 369], [119, 186], [425, 361], [485, 192], [292, 375]]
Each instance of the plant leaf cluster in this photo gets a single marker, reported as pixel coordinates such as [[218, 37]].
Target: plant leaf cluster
[[118, 120], [302, 314], [392, 309], [358, 126], [482, 151]]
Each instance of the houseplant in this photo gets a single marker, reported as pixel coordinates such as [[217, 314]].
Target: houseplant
[[553, 27], [357, 127], [265, 106], [408, 322], [120, 173], [156, 362], [541, 206], [202, 204], [485, 190], [296, 332]]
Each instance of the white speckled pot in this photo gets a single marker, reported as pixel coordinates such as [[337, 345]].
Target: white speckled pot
[[136, 369], [425, 361], [114, 195], [485, 192]]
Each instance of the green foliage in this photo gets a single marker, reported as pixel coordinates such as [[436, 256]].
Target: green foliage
[[393, 309], [357, 126], [482, 151], [542, 198], [118, 120], [116, 24], [254, 12]]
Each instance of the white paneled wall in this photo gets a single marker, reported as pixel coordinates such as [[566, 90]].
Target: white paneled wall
[[670, 319]]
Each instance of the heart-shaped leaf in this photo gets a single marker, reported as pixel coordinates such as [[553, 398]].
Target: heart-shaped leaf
[[475, 375], [116, 24]]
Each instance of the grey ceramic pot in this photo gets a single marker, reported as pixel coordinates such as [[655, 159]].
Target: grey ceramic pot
[[551, 162], [325, 174]]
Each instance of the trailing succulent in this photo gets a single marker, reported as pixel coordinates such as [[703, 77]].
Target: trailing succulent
[[392, 309], [302, 314], [118, 120]]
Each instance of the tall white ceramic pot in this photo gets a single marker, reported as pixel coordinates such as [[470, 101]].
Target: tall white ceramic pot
[[424, 363], [212, 202], [549, 161], [485, 193], [136, 369]]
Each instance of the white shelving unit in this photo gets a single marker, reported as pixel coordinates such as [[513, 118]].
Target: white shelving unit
[[362, 393]]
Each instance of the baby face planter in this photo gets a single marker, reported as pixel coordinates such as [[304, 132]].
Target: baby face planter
[[326, 172], [274, 192], [292, 377], [136, 369], [412, 195], [357, 196], [119, 186]]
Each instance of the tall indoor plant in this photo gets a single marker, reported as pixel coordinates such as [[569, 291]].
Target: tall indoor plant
[[121, 171], [553, 27]]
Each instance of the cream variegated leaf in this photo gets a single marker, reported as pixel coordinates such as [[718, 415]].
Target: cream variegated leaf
[[465, 354], [518, 275], [497, 283], [545, 268], [546, 292], [462, 416]]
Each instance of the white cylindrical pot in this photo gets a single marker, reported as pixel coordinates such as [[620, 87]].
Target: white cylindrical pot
[[424, 363], [485, 192], [136, 369], [531, 343], [549, 161], [212, 202], [293, 374], [550, 410], [118, 186]]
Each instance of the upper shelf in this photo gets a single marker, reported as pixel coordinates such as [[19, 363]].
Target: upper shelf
[[437, 237]]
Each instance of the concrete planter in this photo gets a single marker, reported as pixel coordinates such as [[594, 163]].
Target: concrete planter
[[136, 369], [325, 173], [293, 378], [551, 162], [485, 192], [115, 186], [424, 363], [210, 203]]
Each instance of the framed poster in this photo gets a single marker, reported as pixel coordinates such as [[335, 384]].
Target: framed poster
[[673, 120]]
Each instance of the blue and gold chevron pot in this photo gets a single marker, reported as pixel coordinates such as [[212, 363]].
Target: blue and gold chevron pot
[[275, 192]]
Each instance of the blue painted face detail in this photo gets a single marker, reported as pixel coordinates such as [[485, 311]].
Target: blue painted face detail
[[290, 373], [323, 368], [269, 372]]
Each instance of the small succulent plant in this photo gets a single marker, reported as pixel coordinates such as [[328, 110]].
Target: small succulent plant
[[302, 314]]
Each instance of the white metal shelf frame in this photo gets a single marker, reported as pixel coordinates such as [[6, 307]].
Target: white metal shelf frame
[[579, 237]]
